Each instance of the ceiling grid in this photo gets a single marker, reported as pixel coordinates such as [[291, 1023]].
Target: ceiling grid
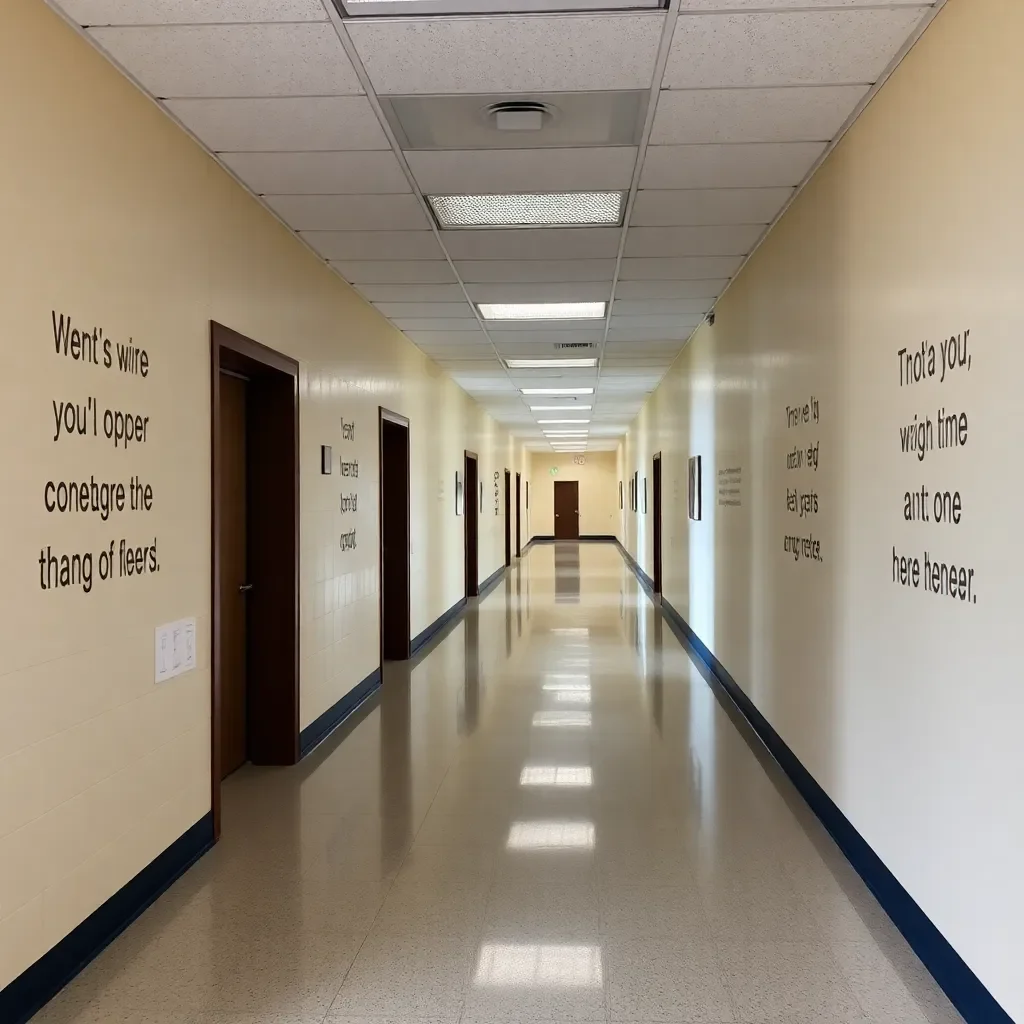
[[690, 126]]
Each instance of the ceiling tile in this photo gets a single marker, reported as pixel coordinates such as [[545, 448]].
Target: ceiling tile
[[487, 171], [532, 243], [581, 291], [411, 292], [799, 114], [674, 307], [300, 59], [189, 12], [568, 336], [447, 310], [740, 165], [787, 47], [510, 54], [455, 324], [689, 268], [648, 334], [526, 271], [443, 338], [655, 207], [282, 123], [318, 173], [725, 240], [394, 272], [375, 245], [670, 289], [350, 213], [655, 321]]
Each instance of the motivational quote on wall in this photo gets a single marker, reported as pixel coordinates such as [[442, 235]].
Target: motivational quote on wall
[[81, 421], [802, 462], [925, 438], [349, 502]]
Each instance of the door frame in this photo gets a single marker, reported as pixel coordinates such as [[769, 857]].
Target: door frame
[[519, 517], [657, 486], [238, 354], [387, 416], [472, 578]]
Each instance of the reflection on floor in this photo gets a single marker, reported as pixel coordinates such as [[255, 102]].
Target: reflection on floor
[[548, 818]]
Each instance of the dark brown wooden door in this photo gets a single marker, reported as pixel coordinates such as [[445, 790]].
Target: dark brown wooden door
[[472, 510], [233, 491], [508, 518], [567, 510], [519, 516], [394, 536]]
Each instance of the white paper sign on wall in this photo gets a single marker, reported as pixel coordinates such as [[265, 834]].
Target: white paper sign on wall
[[175, 649]]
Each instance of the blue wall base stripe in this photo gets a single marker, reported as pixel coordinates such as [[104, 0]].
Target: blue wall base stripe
[[318, 730], [491, 581], [422, 639], [963, 987], [53, 970]]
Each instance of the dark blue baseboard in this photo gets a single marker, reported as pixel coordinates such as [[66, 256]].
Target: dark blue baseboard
[[319, 729], [52, 971], [963, 987], [491, 581], [422, 639]]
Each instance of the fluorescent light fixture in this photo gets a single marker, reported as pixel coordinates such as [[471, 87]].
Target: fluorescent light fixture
[[566, 687], [571, 697], [559, 776], [561, 719], [566, 433], [551, 835], [556, 391], [528, 210], [550, 364], [545, 422], [542, 310], [507, 965], [561, 408]]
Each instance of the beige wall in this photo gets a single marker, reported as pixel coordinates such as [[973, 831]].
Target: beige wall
[[113, 217], [599, 492], [903, 704]]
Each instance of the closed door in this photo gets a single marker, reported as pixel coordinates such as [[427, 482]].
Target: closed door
[[656, 486], [567, 510], [232, 481]]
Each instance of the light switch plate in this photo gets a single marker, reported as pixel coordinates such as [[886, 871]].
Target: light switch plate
[[175, 649]]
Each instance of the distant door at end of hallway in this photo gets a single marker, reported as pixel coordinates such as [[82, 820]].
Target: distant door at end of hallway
[[567, 510]]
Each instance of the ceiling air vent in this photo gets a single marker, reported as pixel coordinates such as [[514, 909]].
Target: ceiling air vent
[[519, 115], [561, 346]]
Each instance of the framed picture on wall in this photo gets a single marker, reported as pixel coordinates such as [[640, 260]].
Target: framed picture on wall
[[693, 488], [460, 496], [645, 495], [636, 491], [620, 495], [527, 493], [481, 495]]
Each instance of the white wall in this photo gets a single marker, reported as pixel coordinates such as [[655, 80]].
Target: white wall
[[904, 705], [111, 215], [598, 492]]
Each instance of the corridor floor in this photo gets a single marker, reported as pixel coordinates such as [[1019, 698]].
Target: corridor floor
[[549, 817]]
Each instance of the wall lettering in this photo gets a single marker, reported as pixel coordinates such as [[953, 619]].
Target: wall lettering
[[126, 429], [802, 461]]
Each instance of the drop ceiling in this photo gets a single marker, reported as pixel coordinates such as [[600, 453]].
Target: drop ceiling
[[707, 115]]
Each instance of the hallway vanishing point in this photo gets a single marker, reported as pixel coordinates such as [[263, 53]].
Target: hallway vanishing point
[[549, 816]]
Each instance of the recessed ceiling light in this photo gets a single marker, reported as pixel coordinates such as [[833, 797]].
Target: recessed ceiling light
[[542, 310], [556, 391], [396, 8], [549, 364], [560, 408], [563, 421], [525, 210], [576, 434]]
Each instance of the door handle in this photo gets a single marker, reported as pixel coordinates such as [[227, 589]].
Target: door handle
[[556, 515], [245, 588]]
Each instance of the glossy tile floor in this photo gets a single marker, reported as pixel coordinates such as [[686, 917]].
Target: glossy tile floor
[[547, 818]]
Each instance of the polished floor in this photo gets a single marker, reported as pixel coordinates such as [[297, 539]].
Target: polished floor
[[549, 817]]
